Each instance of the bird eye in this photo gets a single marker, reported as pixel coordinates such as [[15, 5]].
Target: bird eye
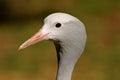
[[58, 25]]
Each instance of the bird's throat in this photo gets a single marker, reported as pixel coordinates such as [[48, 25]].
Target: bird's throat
[[59, 51], [65, 64]]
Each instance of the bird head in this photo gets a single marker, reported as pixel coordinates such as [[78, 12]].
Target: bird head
[[60, 27]]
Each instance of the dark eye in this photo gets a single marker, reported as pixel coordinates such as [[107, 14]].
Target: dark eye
[[58, 25]]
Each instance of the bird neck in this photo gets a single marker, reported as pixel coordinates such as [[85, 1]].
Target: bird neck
[[66, 61]]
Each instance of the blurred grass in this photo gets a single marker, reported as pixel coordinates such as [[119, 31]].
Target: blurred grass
[[100, 60]]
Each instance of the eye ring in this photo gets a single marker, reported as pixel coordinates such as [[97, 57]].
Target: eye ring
[[58, 25]]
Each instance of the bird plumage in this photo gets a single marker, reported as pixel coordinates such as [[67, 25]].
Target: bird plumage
[[69, 36]]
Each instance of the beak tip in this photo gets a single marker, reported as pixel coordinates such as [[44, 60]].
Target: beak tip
[[20, 48]]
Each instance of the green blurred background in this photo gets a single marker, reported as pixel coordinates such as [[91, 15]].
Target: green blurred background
[[20, 19]]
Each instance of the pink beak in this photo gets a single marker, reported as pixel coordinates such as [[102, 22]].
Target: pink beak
[[39, 36]]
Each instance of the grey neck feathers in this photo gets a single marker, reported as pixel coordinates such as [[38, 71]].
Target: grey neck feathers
[[66, 61]]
